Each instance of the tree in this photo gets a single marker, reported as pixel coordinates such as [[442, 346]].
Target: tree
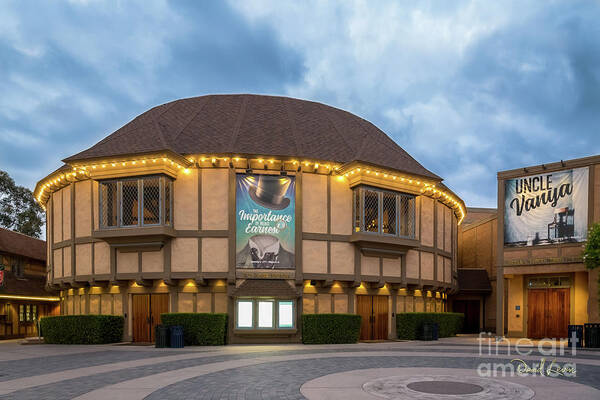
[[18, 209], [591, 253]]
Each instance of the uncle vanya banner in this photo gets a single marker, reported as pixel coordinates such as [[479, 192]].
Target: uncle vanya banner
[[546, 208]]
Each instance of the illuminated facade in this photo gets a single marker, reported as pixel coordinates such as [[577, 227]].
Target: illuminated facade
[[256, 206]]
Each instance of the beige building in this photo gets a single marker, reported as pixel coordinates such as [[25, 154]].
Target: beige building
[[544, 214], [260, 207]]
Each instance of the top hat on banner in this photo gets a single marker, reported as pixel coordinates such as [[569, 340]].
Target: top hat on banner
[[270, 191]]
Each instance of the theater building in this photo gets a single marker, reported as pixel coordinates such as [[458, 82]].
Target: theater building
[[260, 207], [544, 214]]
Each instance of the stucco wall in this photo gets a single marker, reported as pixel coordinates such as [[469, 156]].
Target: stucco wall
[[215, 199], [314, 203]]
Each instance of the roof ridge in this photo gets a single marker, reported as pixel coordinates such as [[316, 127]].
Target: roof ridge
[[205, 98], [297, 141], [238, 121], [335, 128], [22, 234]]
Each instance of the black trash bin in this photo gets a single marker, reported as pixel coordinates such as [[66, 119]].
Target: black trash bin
[[427, 331], [162, 336], [176, 336], [578, 330], [436, 330], [592, 336]]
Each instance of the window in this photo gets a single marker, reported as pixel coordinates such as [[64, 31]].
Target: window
[[244, 314], [286, 314], [144, 201], [384, 212], [27, 313], [265, 314]]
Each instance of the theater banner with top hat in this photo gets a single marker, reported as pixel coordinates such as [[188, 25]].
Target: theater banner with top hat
[[546, 208], [265, 221]]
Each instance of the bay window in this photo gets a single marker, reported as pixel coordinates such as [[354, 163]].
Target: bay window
[[384, 212], [265, 314], [134, 202]]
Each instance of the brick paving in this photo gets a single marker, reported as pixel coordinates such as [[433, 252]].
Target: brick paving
[[269, 380]]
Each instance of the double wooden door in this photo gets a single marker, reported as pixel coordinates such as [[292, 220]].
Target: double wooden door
[[147, 309], [470, 308], [548, 313], [374, 313]]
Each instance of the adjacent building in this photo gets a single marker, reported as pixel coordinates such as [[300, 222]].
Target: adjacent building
[[476, 296], [545, 212], [260, 207], [24, 297]]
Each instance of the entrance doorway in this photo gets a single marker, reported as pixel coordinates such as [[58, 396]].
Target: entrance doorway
[[147, 309], [470, 308], [374, 313], [548, 313]]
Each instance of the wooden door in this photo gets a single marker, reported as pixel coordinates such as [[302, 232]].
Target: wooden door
[[470, 309], [159, 304], [557, 313], [536, 313], [380, 317], [364, 307], [548, 313], [141, 318]]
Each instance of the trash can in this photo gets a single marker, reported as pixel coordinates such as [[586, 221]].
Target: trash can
[[426, 331], [578, 330], [592, 335], [436, 330], [176, 336], [162, 336]]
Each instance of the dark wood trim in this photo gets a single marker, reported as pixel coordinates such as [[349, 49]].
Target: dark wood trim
[[198, 277], [113, 262], [80, 240], [500, 261], [202, 233], [140, 265], [436, 238], [357, 265], [72, 186], [325, 237], [547, 168], [231, 225], [298, 230], [144, 231]]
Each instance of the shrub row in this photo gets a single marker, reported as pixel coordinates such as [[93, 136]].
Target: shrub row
[[330, 328], [408, 325], [199, 329], [82, 329]]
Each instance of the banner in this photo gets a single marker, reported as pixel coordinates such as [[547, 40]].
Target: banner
[[546, 208], [2, 275], [265, 221]]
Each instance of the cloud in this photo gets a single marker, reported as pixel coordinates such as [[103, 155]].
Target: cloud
[[468, 88], [74, 72]]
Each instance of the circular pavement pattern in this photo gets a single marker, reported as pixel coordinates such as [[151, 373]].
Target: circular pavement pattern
[[446, 387]]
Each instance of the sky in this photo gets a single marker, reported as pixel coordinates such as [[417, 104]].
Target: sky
[[468, 88]]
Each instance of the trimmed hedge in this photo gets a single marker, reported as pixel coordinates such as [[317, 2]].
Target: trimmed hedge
[[199, 329], [409, 324], [330, 328], [82, 329]]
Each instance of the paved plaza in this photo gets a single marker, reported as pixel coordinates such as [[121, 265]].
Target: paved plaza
[[450, 368]]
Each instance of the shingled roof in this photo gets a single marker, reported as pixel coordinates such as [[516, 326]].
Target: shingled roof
[[22, 245], [258, 125]]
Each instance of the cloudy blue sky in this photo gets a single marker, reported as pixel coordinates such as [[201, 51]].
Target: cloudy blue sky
[[467, 87]]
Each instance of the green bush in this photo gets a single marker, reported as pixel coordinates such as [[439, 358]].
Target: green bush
[[82, 329], [199, 329], [330, 328], [409, 324]]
